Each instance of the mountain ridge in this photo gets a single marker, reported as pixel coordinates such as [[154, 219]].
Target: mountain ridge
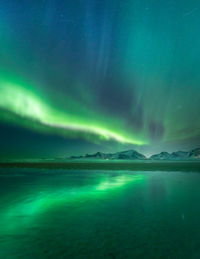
[[127, 154], [132, 154]]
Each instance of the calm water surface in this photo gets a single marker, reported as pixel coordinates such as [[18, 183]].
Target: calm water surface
[[99, 214]]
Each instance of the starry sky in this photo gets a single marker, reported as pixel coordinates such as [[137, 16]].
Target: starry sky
[[80, 76]]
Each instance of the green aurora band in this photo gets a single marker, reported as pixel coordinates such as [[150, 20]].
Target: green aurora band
[[26, 105]]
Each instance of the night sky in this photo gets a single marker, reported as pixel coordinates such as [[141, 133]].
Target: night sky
[[80, 76]]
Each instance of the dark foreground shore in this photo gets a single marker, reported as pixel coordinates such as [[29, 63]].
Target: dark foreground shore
[[114, 165]]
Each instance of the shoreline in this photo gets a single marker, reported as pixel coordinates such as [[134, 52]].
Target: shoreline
[[110, 165]]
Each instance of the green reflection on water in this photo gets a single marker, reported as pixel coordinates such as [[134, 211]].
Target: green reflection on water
[[118, 182], [21, 214]]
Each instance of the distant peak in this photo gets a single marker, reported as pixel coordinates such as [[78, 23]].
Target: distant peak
[[132, 154], [126, 155]]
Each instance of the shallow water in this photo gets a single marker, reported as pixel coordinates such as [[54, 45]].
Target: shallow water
[[99, 214]]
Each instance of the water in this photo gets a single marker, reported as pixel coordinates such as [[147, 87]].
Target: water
[[99, 214]]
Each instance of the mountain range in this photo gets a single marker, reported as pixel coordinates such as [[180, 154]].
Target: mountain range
[[134, 155]]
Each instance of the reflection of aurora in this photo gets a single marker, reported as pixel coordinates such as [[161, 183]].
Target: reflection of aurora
[[26, 211]]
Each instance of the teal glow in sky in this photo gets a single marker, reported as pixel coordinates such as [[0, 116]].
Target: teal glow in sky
[[100, 75]]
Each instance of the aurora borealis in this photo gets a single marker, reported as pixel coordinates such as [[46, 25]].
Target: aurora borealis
[[83, 76]]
